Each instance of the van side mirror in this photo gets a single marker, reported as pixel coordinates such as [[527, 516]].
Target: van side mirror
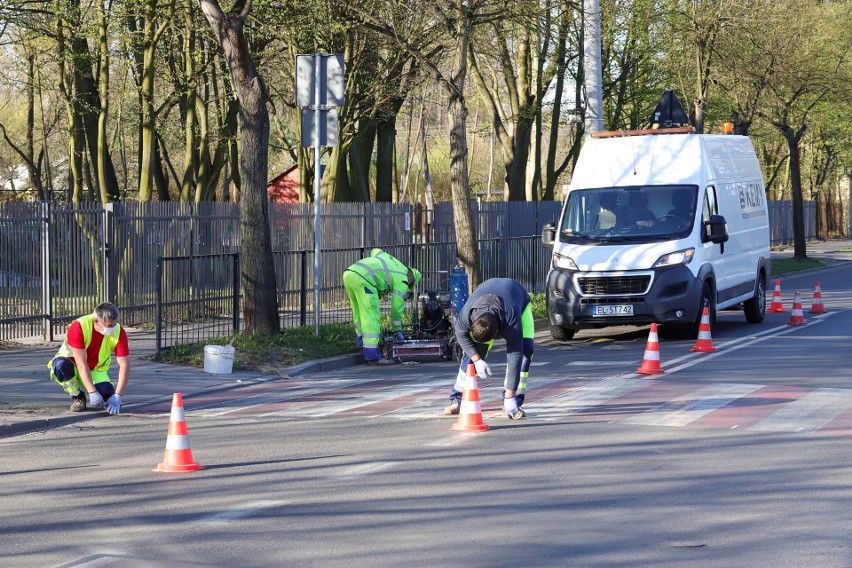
[[718, 232], [548, 235]]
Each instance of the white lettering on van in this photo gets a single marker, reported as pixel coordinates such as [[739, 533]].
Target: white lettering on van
[[752, 199]]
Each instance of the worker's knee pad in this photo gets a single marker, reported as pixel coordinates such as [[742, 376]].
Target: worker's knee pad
[[372, 354], [105, 389], [64, 369]]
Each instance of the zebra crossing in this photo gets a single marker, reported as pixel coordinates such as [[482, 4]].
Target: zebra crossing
[[629, 400]]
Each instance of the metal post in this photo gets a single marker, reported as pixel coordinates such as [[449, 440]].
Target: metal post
[[110, 272], [592, 62], [46, 276], [159, 303], [236, 278], [317, 229], [303, 284]]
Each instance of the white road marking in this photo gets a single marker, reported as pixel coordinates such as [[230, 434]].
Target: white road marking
[[690, 407], [94, 560], [364, 398], [238, 512], [584, 397], [233, 405], [364, 469], [809, 413]]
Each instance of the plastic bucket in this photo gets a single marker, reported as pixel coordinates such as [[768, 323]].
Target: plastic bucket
[[218, 359]]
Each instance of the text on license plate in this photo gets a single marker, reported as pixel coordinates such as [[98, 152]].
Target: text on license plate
[[613, 310]]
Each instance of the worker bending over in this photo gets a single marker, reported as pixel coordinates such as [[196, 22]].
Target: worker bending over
[[498, 309], [365, 282]]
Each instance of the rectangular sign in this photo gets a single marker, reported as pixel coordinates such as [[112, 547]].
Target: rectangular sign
[[331, 76], [327, 128]]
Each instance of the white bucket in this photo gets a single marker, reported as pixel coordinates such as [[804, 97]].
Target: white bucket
[[218, 359]]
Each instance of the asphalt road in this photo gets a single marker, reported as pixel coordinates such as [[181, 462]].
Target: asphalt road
[[733, 458]]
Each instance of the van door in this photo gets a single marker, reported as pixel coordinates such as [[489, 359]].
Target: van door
[[711, 253]]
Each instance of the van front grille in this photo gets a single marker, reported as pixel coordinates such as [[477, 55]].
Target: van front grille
[[608, 285]]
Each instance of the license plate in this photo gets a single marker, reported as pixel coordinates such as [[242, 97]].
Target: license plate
[[613, 310]]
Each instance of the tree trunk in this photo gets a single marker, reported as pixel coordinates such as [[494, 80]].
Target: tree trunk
[[799, 245], [256, 263], [385, 143]]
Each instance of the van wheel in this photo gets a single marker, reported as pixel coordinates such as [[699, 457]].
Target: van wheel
[[706, 300], [691, 330], [755, 309], [561, 333]]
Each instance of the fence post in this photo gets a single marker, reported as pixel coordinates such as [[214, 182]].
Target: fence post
[[303, 300], [46, 276], [110, 271], [236, 321], [159, 304]]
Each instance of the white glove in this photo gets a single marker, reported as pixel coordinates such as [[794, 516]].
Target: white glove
[[114, 404], [510, 405], [482, 368], [96, 400]]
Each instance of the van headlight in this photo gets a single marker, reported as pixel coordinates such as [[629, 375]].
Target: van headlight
[[675, 258], [562, 261]]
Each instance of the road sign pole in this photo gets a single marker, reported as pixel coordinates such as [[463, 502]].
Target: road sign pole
[[318, 232]]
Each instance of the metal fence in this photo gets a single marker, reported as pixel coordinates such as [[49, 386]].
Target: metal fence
[[59, 260]]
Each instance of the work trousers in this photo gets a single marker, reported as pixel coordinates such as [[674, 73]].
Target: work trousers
[[364, 299]]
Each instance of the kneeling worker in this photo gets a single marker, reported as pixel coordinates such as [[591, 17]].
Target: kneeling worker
[[377, 275], [81, 364], [498, 309]]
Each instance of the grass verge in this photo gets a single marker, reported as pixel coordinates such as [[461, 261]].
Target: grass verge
[[270, 355], [781, 266]]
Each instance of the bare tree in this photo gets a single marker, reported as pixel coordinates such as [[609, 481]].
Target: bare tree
[[810, 59], [258, 275]]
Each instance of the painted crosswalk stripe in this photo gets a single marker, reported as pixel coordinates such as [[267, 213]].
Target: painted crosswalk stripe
[[223, 407], [809, 413], [364, 469], [585, 397], [690, 407], [239, 512], [365, 398]]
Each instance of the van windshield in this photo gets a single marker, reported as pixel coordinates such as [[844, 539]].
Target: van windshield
[[635, 213]]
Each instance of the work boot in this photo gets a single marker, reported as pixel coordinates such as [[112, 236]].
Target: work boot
[[452, 409], [380, 362], [518, 415], [79, 403]]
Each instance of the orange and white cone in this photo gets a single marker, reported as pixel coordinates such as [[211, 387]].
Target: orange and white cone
[[470, 411], [178, 455], [776, 305], [705, 342], [796, 317], [651, 360], [817, 307]]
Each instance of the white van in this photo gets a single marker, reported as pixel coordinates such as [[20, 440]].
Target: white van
[[656, 225]]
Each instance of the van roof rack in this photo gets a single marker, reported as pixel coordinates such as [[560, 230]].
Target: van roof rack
[[621, 133]]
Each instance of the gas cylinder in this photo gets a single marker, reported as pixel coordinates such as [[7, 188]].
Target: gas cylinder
[[458, 288]]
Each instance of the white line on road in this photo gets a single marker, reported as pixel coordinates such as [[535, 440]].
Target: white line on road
[[365, 398], [585, 397], [239, 512], [690, 407], [364, 469], [809, 413], [292, 393]]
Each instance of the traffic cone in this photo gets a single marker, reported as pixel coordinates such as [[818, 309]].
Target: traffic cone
[[705, 342], [776, 305], [796, 317], [178, 455], [817, 307], [470, 411], [651, 361]]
